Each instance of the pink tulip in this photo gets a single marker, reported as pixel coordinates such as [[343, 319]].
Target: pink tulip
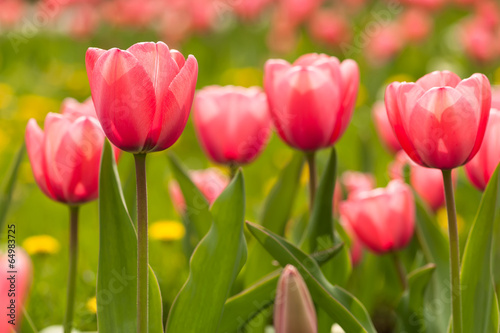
[[357, 181], [356, 248], [65, 156], [330, 27], [142, 95], [293, 308], [479, 40], [495, 97], [428, 183], [12, 12], [232, 123], [440, 120], [416, 24], [311, 101], [480, 169], [22, 282], [384, 45], [297, 11], [384, 128], [211, 182], [250, 8], [426, 4], [383, 218]]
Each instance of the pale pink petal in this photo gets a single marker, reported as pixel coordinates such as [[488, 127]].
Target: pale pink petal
[[438, 79]]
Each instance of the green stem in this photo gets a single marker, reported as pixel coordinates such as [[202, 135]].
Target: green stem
[[73, 261], [233, 168], [454, 253], [311, 161], [400, 270], [142, 244], [29, 321]]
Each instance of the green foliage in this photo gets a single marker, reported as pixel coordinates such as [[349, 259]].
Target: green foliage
[[8, 184]]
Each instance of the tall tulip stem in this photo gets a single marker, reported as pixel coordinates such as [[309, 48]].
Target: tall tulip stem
[[454, 253], [311, 162], [400, 269], [233, 168], [73, 263], [142, 244]]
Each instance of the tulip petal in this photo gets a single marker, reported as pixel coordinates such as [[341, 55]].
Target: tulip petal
[[477, 91], [124, 99], [447, 128], [91, 57], [438, 79], [178, 58], [273, 74], [177, 101], [35, 139]]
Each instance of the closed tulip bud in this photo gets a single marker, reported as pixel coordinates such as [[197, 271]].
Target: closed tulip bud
[[480, 169], [211, 182], [65, 157], [383, 218], [357, 181], [293, 308], [232, 123], [384, 128], [20, 282], [142, 95], [440, 120], [311, 101], [428, 183]]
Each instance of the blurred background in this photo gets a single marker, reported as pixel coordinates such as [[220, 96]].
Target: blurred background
[[42, 61]]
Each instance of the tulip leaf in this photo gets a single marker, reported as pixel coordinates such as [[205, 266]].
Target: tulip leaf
[[435, 247], [197, 206], [8, 183], [117, 271], [479, 302], [276, 213], [344, 308], [214, 265], [411, 305]]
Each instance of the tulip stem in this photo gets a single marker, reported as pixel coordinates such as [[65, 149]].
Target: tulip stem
[[400, 270], [233, 168], [311, 161], [454, 253], [73, 261], [142, 244]]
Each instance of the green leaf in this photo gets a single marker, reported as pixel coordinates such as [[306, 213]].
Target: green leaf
[[7, 186], [117, 271], [214, 266], [197, 207], [435, 247], [479, 303], [276, 213], [411, 305], [346, 310]]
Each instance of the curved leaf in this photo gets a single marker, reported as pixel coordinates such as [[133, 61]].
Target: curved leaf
[[346, 310], [7, 186], [214, 266], [479, 303]]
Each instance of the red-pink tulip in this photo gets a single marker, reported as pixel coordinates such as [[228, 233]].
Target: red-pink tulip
[[311, 101], [416, 24], [22, 282], [330, 27], [480, 169], [293, 308], [428, 183], [479, 40], [142, 95], [12, 11], [296, 11], [357, 181], [384, 128], [495, 97], [356, 248], [211, 182], [250, 8], [384, 44], [65, 156], [383, 218], [440, 120], [232, 123]]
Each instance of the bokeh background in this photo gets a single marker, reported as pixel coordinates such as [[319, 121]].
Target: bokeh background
[[42, 52]]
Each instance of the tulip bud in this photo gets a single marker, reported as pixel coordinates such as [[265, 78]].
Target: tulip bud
[[480, 169], [440, 120], [293, 308]]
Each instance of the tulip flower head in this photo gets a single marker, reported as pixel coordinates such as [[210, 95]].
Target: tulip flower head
[[293, 309], [383, 218], [440, 120], [312, 100], [428, 183], [357, 181], [65, 157], [356, 248], [480, 169], [142, 95], [232, 123]]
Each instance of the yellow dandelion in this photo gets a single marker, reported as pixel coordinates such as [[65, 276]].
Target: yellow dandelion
[[167, 230], [92, 305], [41, 244], [442, 219]]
